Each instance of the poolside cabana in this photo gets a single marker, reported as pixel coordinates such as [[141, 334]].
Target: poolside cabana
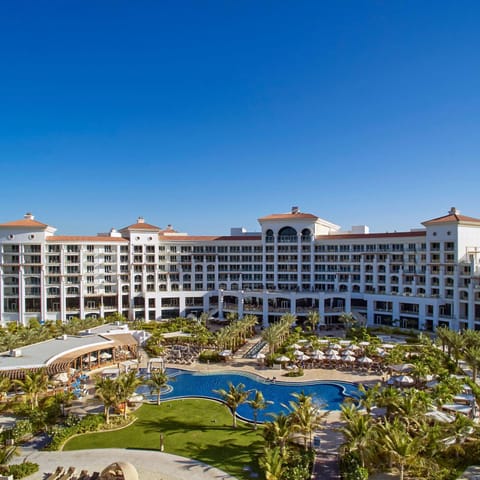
[[157, 363]]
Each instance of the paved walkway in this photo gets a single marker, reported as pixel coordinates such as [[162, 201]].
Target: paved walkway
[[150, 465]]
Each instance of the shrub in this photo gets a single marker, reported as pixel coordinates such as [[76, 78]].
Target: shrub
[[21, 429], [295, 373], [350, 468], [90, 423], [299, 464], [20, 470], [209, 356]]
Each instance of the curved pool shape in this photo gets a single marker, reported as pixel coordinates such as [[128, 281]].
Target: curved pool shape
[[327, 394]]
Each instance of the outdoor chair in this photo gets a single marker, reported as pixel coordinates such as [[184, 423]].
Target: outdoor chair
[[69, 474], [56, 474]]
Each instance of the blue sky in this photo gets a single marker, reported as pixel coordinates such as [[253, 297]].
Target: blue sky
[[210, 114]]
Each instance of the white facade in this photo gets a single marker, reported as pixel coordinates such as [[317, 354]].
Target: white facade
[[296, 263]]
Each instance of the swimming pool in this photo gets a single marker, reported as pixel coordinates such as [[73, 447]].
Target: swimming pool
[[328, 394]]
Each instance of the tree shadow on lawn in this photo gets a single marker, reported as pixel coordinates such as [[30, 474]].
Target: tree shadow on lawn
[[175, 425], [233, 456]]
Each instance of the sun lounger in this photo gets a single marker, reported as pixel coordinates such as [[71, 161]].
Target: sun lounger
[[69, 474], [56, 474]]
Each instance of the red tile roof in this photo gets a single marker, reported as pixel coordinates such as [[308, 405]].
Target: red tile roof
[[207, 238], [288, 216], [25, 223], [367, 236], [452, 218], [141, 226], [76, 238]]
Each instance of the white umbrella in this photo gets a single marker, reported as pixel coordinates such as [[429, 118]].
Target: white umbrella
[[440, 416], [331, 351], [282, 359], [260, 356], [335, 346], [318, 356], [348, 358], [404, 380], [345, 342], [455, 407], [61, 377], [226, 353], [323, 341], [365, 360], [333, 356], [298, 353], [92, 358], [364, 343], [317, 352], [295, 346], [105, 356], [135, 398], [403, 367], [304, 357], [388, 345]]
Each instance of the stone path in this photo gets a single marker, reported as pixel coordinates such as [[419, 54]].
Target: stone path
[[150, 465]]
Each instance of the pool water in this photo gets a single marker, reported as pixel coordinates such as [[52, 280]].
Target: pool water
[[329, 395]]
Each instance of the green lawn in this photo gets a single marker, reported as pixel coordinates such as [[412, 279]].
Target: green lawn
[[193, 428]]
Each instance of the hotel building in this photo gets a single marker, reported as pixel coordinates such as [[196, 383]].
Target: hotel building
[[296, 263]]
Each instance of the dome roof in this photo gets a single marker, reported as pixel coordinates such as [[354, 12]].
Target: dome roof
[[119, 471]]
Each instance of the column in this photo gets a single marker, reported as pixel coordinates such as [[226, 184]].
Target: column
[[43, 295], [21, 296], [63, 300], [321, 308], [275, 261], [299, 262], [2, 306], [265, 310], [220, 304], [241, 301]]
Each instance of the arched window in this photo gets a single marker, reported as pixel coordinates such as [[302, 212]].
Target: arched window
[[269, 236], [287, 235], [306, 235]]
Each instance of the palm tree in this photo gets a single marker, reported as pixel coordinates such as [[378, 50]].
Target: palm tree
[[127, 384], [33, 384], [233, 397], [157, 381], [64, 399], [5, 384], [272, 463], [398, 444], [369, 396], [472, 357], [278, 432], [271, 336], [306, 417], [359, 432], [258, 403], [313, 319], [456, 343], [443, 334], [107, 390]]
